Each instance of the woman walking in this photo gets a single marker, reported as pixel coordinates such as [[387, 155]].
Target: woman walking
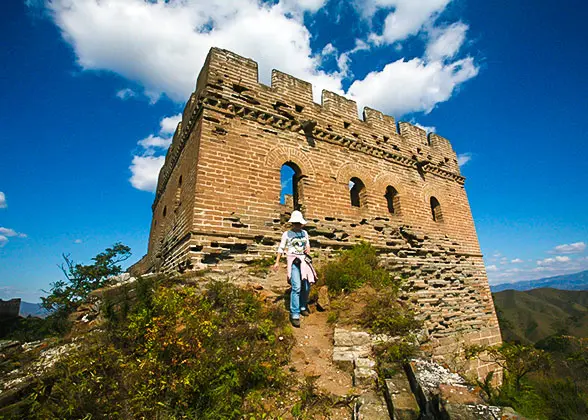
[[296, 245]]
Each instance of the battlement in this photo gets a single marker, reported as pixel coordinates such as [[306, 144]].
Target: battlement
[[227, 71]]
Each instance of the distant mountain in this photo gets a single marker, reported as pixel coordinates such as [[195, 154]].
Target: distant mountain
[[530, 316], [575, 281], [32, 309]]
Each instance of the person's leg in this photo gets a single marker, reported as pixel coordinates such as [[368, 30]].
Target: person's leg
[[305, 290], [295, 279]]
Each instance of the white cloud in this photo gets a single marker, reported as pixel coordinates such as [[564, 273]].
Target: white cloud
[[168, 124], [125, 94], [6, 233], [3, 204], [445, 43], [517, 261], [427, 128], [145, 170], [155, 142], [492, 268], [407, 17], [414, 85], [146, 165], [463, 158], [161, 46], [78, 241], [575, 248], [555, 260]]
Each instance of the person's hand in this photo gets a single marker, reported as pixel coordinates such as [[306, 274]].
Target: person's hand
[[276, 266]]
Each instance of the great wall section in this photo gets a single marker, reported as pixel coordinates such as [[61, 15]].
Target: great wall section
[[217, 202]]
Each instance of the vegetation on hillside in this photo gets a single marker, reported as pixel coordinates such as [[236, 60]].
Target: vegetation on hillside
[[178, 351], [531, 316], [546, 368], [357, 275], [66, 295]]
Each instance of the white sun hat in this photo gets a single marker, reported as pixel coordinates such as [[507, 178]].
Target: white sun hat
[[297, 218]]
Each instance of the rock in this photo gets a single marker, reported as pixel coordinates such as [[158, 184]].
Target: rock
[[345, 338], [459, 394], [364, 377], [401, 402], [323, 302], [471, 412], [370, 406], [365, 362]]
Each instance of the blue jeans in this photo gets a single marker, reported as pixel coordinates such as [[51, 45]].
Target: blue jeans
[[299, 294]]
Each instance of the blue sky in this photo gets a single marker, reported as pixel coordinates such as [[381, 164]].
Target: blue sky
[[91, 90]]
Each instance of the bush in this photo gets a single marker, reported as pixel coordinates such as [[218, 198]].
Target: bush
[[180, 352], [354, 268], [385, 315]]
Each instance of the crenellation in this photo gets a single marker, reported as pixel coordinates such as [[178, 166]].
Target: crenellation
[[340, 106], [292, 87]]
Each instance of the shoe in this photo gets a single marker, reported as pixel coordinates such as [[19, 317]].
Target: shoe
[[295, 322], [305, 312]]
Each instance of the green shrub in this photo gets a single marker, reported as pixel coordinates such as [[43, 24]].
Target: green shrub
[[354, 268], [385, 315], [181, 352]]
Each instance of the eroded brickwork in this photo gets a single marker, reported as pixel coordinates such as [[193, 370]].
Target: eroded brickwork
[[218, 197]]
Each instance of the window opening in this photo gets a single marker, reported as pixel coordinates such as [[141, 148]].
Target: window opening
[[392, 199], [290, 192], [436, 210], [357, 192]]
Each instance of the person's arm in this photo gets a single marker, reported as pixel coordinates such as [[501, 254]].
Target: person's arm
[[281, 249], [307, 248]]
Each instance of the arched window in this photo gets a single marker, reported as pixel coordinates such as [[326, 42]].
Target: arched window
[[436, 210], [291, 191], [392, 200], [357, 192]]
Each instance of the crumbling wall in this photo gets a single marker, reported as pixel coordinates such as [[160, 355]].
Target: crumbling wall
[[228, 151]]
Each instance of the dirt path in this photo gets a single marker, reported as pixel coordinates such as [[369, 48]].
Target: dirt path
[[312, 355], [313, 351]]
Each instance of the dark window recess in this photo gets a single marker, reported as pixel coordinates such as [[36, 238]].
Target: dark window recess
[[299, 108], [165, 211], [436, 210], [392, 199], [346, 124], [357, 192]]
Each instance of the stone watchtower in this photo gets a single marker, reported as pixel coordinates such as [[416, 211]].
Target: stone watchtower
[[218, 194]]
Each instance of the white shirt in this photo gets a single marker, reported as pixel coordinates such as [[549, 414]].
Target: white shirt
[[294, 242]]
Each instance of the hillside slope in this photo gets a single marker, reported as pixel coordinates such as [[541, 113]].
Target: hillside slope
[[532, 315]]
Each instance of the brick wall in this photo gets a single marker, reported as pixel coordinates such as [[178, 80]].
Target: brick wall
[[218, 197]]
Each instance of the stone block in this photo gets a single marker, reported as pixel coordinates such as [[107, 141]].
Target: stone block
[[401, 401], [351, 338], [459, 394], [365, 362], [364, 377], [371, 406]]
